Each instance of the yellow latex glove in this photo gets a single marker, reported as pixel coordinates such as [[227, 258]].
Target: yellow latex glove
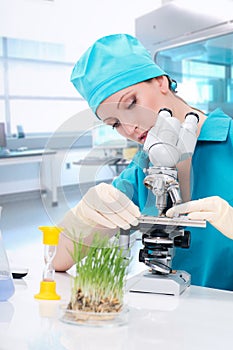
[[213, 209], [102, 209]]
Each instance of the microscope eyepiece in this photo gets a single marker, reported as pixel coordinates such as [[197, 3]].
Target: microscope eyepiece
[[166, 110], [193, 113]]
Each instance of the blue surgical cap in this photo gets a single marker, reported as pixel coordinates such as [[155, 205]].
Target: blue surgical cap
[[111, 64]]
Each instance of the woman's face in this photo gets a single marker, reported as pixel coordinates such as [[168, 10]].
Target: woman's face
[[133, 110]]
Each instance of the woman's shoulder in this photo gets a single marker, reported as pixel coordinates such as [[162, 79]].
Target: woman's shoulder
[[140, 159], [219, 113]]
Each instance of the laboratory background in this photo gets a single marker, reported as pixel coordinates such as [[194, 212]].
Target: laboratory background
[[53, 149]]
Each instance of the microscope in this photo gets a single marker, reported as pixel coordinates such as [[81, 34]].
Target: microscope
[[168, 143]]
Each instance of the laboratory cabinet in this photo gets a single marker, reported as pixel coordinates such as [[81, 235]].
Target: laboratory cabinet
[[194, 47]]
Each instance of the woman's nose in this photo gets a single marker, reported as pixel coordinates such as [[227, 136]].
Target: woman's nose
[[129, 128]]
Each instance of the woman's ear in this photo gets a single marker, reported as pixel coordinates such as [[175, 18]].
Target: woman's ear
[[163, 83]]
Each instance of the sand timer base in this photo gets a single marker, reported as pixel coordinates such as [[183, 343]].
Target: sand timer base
[[47, 291]]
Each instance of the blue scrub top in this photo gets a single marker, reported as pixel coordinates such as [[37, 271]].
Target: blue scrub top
[[210, 256]]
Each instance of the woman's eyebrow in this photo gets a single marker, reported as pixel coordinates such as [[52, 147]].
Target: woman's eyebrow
[[128, 92]]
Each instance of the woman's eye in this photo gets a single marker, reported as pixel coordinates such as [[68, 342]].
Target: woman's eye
[[115, 125], [132, 103]]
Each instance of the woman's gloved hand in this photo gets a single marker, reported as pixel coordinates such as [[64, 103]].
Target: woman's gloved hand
[[102, 207], [213, 209]]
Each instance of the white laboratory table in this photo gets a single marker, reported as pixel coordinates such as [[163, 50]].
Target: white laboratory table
[[46, 159], [117, 162], [200, 318]]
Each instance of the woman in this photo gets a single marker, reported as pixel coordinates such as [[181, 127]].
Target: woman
[[126, 89]]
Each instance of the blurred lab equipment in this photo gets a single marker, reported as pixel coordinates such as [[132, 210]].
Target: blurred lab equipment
[[7, 288], [3, 142], [192, 42]]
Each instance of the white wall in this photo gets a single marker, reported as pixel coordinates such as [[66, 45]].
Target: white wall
[[71, 22], [76, 23]]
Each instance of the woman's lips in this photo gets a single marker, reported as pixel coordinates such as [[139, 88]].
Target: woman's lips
[[142, 137]]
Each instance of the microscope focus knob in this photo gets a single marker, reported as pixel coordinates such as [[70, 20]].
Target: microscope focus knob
[[183, 241]]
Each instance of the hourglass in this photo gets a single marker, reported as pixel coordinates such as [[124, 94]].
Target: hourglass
[[48, 284]]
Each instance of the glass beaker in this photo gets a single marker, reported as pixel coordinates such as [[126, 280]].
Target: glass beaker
[[7, 287]]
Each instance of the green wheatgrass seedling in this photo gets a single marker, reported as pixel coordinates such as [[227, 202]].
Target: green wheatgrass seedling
[[100, 277]]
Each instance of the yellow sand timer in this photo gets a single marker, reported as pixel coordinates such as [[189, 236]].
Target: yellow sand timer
[[48, 285]]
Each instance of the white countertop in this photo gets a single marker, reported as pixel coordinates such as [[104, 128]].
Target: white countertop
[[200, 318]]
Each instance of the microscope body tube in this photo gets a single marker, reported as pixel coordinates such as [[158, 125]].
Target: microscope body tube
[[162, 139], [169, 141], [188, 136]]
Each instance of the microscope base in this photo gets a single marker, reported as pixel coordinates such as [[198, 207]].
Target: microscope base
[[146, 282]]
